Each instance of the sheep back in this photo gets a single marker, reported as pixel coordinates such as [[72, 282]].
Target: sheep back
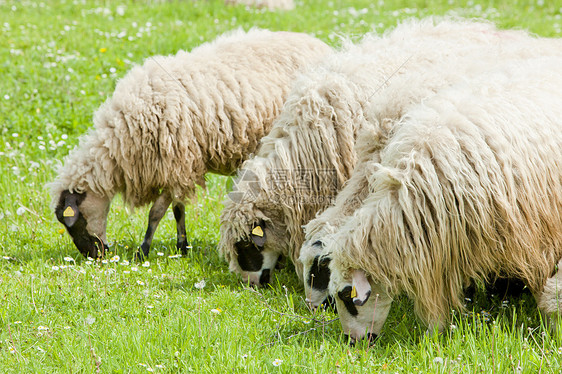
[[174, 118]]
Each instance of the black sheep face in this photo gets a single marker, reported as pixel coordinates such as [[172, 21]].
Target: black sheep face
[[255, 258], [316, 272], [84, 215]]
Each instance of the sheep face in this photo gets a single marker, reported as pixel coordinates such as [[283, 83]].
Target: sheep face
[[85, 216], [362, 305], [316, 272], [258, 255]]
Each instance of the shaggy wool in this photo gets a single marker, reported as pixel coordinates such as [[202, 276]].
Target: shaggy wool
[[310, 152], [468, 186]]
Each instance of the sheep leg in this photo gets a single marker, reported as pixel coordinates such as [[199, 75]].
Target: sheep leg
[[179, 214], [154, 216]]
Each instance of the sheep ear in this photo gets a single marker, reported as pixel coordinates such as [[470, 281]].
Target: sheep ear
[[361, 289], [258, 234], [70, 213]]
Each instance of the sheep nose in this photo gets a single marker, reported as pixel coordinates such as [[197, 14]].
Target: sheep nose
[[251, 278]]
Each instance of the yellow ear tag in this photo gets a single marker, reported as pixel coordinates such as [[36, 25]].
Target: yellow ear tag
[[257, 231], [353, 292], [68, 212]]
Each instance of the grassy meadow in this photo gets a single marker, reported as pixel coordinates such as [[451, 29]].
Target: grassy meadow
[[61, 313]]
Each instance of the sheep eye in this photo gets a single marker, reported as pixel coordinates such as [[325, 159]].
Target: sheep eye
[[318, 243], [345, 297], [319, 276]]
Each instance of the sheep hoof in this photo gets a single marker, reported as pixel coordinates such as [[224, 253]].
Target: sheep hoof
[[143, 252], [183, 246]]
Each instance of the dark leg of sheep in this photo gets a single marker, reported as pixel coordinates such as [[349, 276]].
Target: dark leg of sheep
[[156, 213], [179, 213]]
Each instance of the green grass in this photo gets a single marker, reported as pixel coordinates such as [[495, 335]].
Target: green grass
[[59, 60]]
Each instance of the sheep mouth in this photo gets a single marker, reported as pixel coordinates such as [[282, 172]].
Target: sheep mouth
[[370, 337], [87, 244]]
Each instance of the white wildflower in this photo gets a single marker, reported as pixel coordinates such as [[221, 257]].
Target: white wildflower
[[68, 259], [277, 362], [21, 210], [438, 360], [146, 264], [90, 320], [201, 284]]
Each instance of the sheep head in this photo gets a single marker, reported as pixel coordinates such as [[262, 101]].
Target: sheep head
[[362, 304], [316, 272], [255, 258], [84, 215]]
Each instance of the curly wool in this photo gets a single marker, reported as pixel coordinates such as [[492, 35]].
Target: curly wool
[[325, 111], [174, 118], [470, 185]]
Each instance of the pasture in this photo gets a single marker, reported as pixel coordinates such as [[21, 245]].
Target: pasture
[[61, 312]]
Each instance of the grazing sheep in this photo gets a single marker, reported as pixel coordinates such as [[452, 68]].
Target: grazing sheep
[[469, 186], [172, 120], [386, 108], [310, 152]]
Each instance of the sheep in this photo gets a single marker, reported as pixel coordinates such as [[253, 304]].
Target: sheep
[[468, 186], [386, 107], [170, 121], [310, 153]]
